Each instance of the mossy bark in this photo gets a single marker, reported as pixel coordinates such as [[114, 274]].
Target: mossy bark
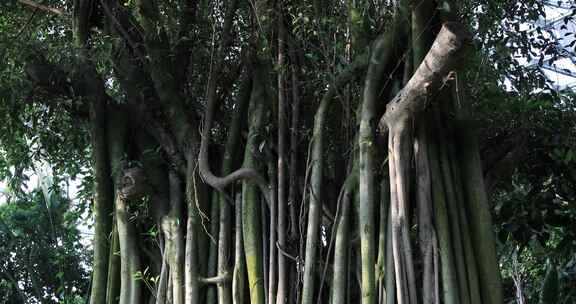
[[251, 199], [103, 201], [226, 216], [380, 58], [113, 284], [483, 241], [316, 179], [343, 222]]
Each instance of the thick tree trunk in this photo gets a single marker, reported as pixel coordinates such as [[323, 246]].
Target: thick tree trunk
[[174, 238], [374, 245], [426, 229], [191, 263], [316, 179], [251, 203], [239, 275], [130, 290], [401, 114], [278, 292], [162, 285], [482, 236], [381, 260], [113, 283], [231, 150], [103, 201], [380, 58], [342, 222]]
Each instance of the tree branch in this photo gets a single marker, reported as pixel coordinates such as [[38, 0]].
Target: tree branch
[[42, 7], [209, 177], [431, 75]]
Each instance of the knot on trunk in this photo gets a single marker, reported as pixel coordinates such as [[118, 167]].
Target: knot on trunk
[[132, 184]]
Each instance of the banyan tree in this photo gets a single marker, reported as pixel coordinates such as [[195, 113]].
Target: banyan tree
[[276, 151]]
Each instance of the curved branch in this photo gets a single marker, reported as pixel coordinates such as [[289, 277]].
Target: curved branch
[[38, 6], [220, 183]]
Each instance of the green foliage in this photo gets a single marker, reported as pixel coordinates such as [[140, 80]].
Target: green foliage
[[511, 33], [45, 260], [31, 130], [534, 209]]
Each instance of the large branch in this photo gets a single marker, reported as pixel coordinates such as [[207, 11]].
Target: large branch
[[54, 82], [42, 7], [217, 182], [126, 29], [50, 82], [430, 77]]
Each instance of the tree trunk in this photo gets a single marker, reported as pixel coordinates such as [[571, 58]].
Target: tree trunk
[[168, 74]]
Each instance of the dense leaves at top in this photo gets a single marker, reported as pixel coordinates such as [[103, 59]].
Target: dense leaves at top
[[36, 126]]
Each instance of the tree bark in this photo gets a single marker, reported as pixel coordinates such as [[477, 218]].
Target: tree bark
[[316, 180], [130, 291], [340, 276], [277, 293], [401, 114], [230, 153], [251, 204], [379, 60]]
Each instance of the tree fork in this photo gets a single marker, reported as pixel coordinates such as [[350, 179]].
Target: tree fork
[[422, 37]]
